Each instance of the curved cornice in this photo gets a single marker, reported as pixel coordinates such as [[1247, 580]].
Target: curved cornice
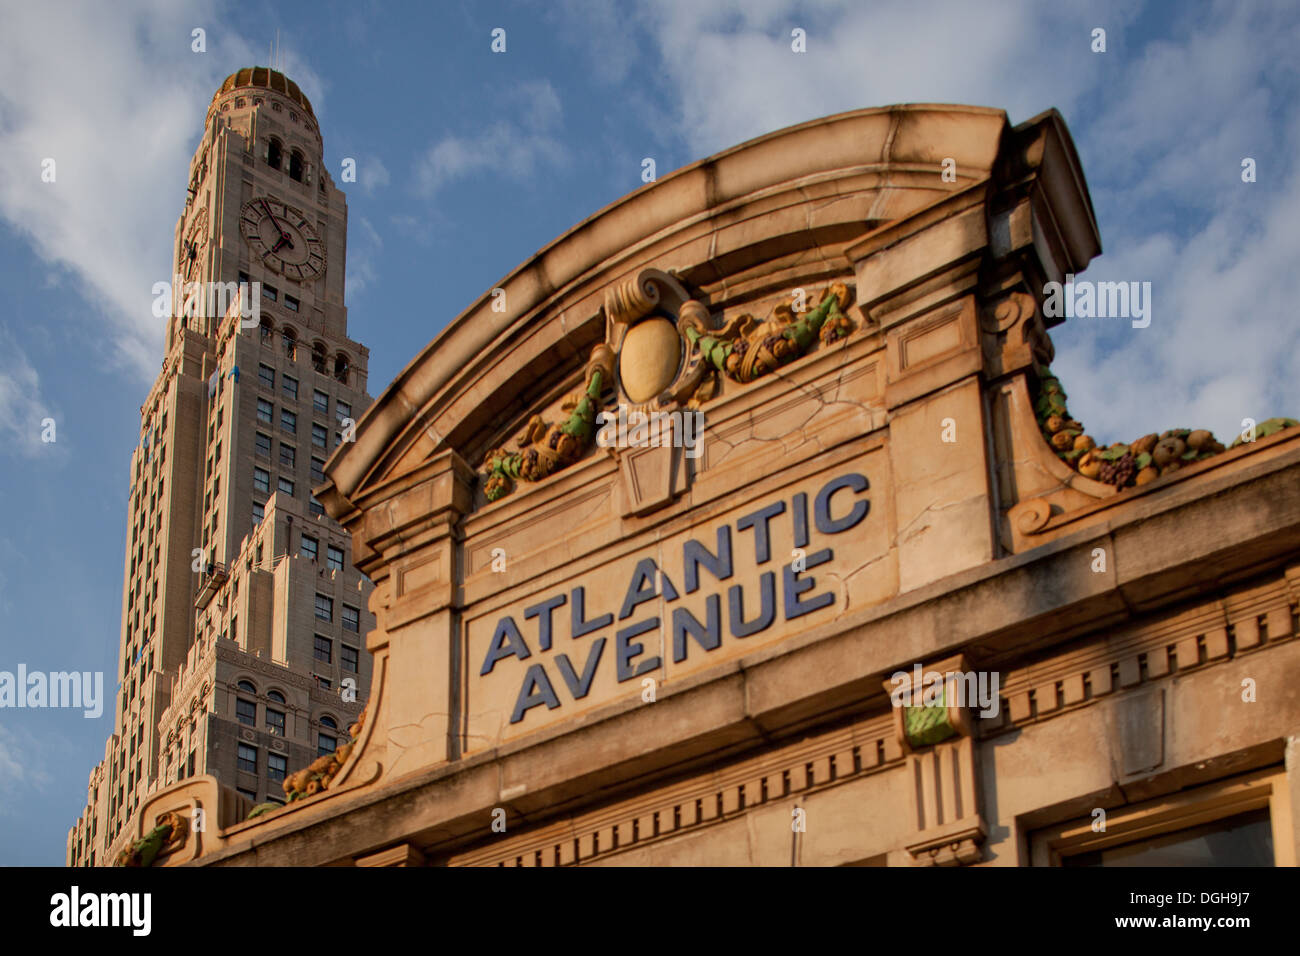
[[830, 176]]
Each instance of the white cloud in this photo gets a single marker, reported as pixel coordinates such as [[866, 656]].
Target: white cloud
[[1161, 129], [20, 763], [372, 174], [735, 75], [516, 149], [22, 407], [115, 95], [365, 246]]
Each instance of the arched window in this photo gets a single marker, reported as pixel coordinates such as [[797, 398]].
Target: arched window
[[295, 165], [275, 154], [267, 329], [276, 696], [329, 722], [290, 343], [246, 687], [318, 357], [341, 368]]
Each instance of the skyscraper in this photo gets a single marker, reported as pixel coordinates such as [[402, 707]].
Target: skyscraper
[[243, 618]]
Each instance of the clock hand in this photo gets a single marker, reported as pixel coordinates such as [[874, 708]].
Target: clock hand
[[275, 222]]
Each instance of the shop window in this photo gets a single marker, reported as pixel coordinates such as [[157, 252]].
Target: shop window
[[1225, 823], [1242, 840]]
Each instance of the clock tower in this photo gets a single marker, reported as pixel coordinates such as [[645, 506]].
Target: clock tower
[[243, 616]]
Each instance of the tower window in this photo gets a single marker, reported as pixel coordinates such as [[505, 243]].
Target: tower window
[[341, 368], [275, 154], [277, 765], [295, 166]]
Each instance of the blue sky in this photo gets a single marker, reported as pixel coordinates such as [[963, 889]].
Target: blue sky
[[470, 161]]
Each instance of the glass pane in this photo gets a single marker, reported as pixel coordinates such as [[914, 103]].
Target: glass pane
[[1243, 840]]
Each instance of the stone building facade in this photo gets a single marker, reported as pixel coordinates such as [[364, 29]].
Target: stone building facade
[[243, 613], [692, 637]]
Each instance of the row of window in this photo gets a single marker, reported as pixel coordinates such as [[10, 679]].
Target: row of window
[[289, 337], [310, 548], [289, 385], [351, 615], [289, 423], [246, 714], [349, 657], [275, 156]]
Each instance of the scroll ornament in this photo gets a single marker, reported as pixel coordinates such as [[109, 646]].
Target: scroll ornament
[[745, 349], [320, 774], [167, 836], [544, 450]]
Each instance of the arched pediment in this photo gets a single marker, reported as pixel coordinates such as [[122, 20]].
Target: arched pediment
[[747, 223]]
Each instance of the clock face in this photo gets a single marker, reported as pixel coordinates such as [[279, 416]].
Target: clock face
[[281, 237], [196, 239]]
